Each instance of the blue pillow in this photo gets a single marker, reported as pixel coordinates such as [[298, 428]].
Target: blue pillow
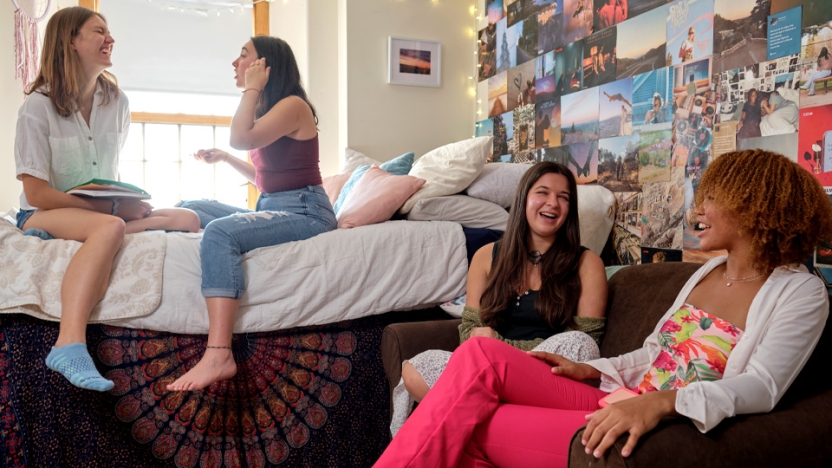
[[397, 166]]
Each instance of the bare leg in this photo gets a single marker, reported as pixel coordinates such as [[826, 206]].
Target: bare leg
[[216, 364], [174, 219], [414, 383], [88, 273]]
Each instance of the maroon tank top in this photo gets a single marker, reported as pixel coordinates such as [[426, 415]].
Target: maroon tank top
[[286, 164]]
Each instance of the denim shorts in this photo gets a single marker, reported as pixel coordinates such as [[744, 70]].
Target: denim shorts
[[23, 216]]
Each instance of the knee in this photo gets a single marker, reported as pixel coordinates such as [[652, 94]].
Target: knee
[[186, 220], [413, 382], [110, 231]]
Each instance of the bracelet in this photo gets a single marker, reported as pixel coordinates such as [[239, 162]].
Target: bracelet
[[251, 89], [225, 159], [114, 211], [219, 347]]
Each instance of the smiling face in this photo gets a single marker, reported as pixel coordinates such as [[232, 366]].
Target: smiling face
[[94, 45], [547, 205], [752, 97], [247, 55], [719, 228]]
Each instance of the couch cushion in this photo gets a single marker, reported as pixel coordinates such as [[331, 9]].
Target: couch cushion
[[635, 304]]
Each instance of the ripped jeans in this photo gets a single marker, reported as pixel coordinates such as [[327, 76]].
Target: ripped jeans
[[230, 232]]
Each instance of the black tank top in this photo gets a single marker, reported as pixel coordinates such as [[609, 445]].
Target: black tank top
[[521, 320]]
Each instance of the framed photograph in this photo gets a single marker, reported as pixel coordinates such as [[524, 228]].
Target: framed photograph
[[823, 255], [414, 62]]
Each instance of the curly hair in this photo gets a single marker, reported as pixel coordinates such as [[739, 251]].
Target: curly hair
[[779, 205]]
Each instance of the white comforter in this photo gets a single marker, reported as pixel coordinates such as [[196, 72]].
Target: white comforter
[[340, 275]]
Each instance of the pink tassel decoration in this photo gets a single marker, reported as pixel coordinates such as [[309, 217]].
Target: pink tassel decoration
[[25, 48]]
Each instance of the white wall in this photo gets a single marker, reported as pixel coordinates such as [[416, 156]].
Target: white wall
[[12, 99], [384, 120], [316, 55], [12, 93]]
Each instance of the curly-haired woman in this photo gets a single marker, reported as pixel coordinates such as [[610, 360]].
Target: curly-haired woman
[[753, 314]]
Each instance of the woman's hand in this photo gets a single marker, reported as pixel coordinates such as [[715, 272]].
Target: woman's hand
[[132, 209], [636, 416], [257, 74], [487, 332], [211, 156], [565, 367]]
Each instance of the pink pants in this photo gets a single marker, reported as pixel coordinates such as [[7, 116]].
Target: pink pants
[[493, 406]]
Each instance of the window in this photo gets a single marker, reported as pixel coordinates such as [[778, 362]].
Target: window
[[176, 71], [158, 157]]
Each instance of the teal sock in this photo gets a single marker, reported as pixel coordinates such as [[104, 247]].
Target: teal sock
[[74, 362]]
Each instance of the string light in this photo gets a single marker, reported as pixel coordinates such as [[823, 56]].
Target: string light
[[205, 8]]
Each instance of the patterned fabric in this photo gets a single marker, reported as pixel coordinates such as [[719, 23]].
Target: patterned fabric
[[311, 397], [11, 448], [32, 271], [695, 347], [574, 345]]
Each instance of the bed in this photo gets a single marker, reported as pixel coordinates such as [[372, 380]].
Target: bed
[[312, 393]]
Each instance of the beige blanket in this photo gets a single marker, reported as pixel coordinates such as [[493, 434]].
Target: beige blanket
[[31, 271]]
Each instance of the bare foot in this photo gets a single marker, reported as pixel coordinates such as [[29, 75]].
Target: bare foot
[[215, 365]]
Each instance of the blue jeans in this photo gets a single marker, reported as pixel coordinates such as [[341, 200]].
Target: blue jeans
[[230, 232]]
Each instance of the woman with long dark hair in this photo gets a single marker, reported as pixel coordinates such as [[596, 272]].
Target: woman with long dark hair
[[734, 340], [536, 288], [70, 130], [276, 121]]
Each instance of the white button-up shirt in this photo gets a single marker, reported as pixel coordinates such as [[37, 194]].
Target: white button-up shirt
[[784, 323], [66, 152]]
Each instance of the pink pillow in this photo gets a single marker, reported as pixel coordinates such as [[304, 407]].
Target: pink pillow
[[376, 197], [333, 185]]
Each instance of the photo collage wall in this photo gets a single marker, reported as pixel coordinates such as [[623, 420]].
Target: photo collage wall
[[639, 96]]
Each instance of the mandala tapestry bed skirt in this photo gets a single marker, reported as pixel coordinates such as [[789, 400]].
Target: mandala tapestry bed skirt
[[314, 396]]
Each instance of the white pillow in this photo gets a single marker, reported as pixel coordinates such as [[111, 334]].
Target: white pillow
[[467, 211], [449, 169], [596, 212], [497, 183], [353, 159]]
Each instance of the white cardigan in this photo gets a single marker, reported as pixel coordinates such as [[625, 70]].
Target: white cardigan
[[784, 323]]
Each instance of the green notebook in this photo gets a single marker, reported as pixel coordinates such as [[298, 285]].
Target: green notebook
[[104, 188]]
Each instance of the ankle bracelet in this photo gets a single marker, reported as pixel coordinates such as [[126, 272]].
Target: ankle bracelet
[[218, 347]]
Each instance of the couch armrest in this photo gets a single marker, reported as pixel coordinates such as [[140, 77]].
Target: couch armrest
[[795, 435], [401, 341]]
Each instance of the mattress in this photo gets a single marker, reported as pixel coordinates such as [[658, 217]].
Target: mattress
[[340, 275]]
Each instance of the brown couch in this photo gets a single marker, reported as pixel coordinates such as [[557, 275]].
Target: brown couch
[[797, 433]]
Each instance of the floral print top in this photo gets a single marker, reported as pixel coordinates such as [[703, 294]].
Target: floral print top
[[695, 347]]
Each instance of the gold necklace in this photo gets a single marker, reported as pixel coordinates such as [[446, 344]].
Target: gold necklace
[[747, 279]]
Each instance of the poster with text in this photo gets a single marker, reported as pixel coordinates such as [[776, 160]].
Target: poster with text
[[690, 30], [814, 146], [784, 33]]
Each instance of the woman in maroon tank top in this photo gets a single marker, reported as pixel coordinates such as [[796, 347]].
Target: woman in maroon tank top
[[278, 125]]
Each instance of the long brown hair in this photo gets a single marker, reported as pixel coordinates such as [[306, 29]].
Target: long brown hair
[[284, 78], [60, 68], [560, 286]]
